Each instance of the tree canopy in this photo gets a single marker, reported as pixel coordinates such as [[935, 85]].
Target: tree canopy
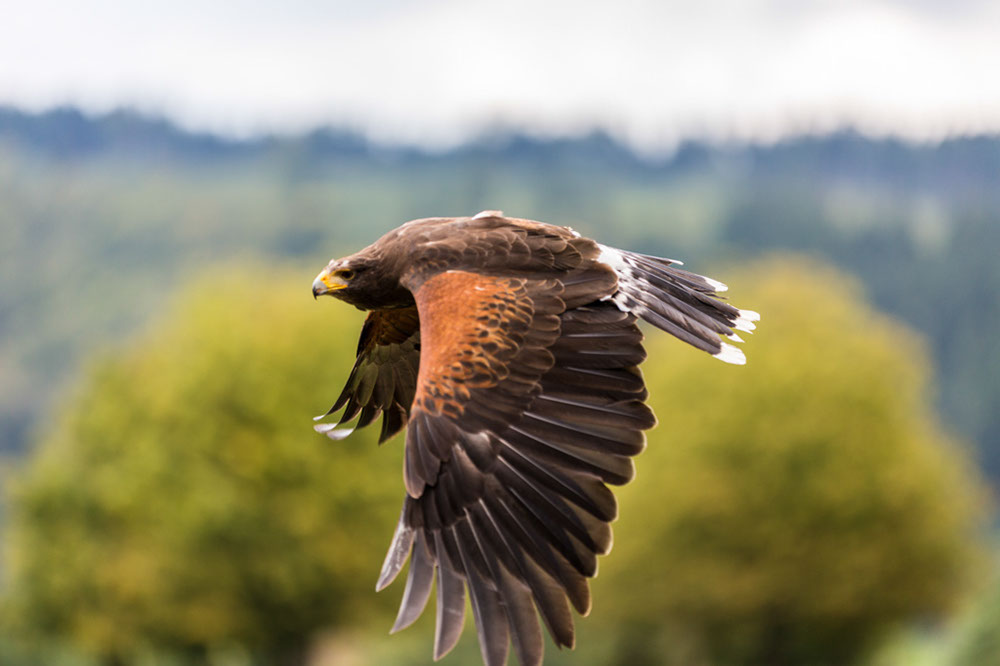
[[182, 500]]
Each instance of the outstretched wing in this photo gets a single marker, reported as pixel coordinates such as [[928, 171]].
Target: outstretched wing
[[528, 402], [384, 376]]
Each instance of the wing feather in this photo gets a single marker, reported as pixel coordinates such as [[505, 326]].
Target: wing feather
[[491, 620], [450, 615], [591, 496], [418, 585], [383, 379]]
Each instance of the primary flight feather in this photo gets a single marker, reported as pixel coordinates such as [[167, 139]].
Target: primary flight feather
[[509, 350]]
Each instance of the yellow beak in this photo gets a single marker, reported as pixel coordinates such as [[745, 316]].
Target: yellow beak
[[326, 283]]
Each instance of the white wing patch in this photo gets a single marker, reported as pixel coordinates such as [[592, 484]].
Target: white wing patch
[[613, 258]]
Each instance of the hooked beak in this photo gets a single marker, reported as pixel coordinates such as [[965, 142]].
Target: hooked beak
[[325, 283]]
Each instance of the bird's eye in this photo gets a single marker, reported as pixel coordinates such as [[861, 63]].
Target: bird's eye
[[345, 274]]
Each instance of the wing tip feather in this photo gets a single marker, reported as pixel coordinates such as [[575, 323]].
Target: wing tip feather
[[332, 430], [719, 287], [731, 354], [395, 557], [745, 320]]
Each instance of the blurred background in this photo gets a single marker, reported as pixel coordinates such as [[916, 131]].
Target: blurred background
[[173, 175]]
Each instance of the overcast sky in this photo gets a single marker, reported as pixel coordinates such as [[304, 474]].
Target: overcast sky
[[434, 72]]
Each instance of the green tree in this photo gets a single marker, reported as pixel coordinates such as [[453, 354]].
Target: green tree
[[795, 510], [182, 502], [978, 642]]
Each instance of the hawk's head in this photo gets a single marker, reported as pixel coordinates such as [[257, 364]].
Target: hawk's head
[[363, 281]]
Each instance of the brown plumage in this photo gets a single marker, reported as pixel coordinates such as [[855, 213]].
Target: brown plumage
[[509, 349]]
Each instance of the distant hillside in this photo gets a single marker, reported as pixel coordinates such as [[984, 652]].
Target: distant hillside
[[103, 216], [957, 165]]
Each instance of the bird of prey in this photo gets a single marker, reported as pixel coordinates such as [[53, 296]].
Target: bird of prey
[[509, 349]]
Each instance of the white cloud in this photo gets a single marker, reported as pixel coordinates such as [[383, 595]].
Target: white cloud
[[433, 72]]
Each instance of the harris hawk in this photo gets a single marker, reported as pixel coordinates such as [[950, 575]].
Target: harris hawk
[[509, 350]]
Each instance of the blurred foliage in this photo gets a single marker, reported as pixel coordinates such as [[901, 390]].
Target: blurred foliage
[[181, 499], [180, 511], [795, 510], [978, 641]]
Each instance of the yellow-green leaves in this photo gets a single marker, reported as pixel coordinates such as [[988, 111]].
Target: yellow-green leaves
[[182, 499]]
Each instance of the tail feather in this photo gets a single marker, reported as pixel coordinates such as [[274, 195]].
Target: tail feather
[[684, 304]]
